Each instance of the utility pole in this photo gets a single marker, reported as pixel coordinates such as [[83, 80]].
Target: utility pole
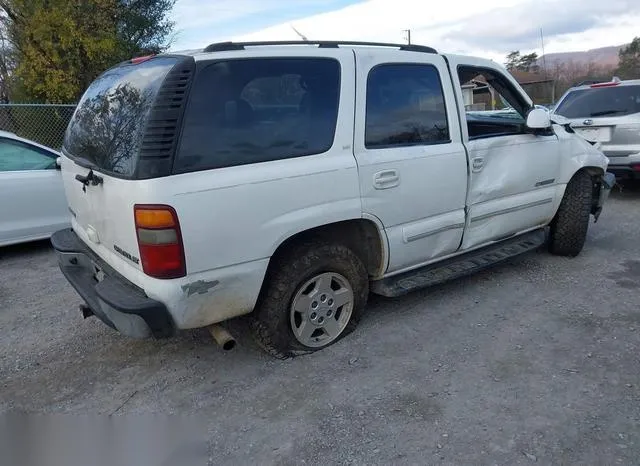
[[544, 58], [544, 65], [408, 37]]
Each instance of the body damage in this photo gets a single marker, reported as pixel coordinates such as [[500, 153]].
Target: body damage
[[577, 153], [211, 297], [450, 198]]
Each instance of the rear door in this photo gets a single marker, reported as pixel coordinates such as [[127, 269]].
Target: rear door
[[411, 161], [33, 202], [123, 127], [607, 113]]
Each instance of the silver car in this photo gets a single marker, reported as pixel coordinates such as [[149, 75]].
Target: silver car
[[33, 204], [609, 114]]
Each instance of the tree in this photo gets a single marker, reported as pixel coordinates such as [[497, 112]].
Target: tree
[[515, 61], [529, 62], [629, 64], [7, 62], [143, 27], [512, 60], [62, 45]]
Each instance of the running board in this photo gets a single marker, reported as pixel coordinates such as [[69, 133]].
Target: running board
[[458, 266]]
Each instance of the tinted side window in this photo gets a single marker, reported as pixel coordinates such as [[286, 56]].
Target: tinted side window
[[600, 102], [16, 156], [405, 106], [258, 110]]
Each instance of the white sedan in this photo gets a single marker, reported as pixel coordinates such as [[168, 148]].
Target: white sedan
[[32, 201]]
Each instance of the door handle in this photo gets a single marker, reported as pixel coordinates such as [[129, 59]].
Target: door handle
[[386, 179], [477, 164]]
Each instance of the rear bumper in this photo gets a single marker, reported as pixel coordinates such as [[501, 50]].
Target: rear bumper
[[625, 172], [111, 298], [623, 166]]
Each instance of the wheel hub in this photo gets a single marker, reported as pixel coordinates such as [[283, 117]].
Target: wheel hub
[[321, 309]]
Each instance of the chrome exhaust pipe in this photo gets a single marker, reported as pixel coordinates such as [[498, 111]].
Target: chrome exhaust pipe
[[222, 337]]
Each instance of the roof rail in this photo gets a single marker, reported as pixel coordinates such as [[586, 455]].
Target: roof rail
[[228, 46]]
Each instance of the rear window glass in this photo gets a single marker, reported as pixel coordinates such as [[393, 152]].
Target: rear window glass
[[258, 110], [107, 127], [601, 102]]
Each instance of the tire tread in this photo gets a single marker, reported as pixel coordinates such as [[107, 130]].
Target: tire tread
[[571, 223]]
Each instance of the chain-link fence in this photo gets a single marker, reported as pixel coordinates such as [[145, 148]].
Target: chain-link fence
[[42, 123]]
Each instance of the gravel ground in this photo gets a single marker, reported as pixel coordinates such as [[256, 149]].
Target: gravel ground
[[532, 361]]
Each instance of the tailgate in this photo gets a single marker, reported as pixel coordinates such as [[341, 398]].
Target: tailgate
[[102, 216], [124, 128], [595, 133], [619, 136]]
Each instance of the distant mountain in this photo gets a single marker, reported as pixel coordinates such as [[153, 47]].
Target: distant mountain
[[605, 56]]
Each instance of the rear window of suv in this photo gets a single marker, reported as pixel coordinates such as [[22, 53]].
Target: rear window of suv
[[255, 110], [106, 129], [601, 102]]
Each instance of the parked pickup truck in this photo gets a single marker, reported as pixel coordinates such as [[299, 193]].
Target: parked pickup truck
[[287, 181]]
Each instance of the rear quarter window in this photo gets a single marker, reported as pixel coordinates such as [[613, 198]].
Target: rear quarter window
[[257, 110], [601, 102]]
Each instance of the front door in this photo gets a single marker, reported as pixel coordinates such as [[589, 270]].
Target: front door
[[411, 160], [512, 185]]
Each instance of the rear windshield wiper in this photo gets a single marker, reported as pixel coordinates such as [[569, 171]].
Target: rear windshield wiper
[[607, 112]]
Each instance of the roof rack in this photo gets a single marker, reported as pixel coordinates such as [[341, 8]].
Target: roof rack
[[228, 46]]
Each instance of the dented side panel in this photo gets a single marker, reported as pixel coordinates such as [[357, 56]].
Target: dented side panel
[[576, 154], [512, 186], [212, 297]]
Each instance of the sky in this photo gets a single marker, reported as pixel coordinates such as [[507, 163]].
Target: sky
[[488, 28]]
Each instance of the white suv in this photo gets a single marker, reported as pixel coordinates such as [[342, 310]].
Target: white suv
[[288, 180], [608, 114]]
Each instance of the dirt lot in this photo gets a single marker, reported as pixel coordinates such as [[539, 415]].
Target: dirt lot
[[536, 360]]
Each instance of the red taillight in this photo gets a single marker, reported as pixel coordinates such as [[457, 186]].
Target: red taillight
[[159, 241], [138, 60], [635, 168]]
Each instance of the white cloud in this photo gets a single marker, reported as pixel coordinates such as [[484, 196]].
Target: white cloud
[[199, 22], [489, 28], [199, 13], [615, 31]]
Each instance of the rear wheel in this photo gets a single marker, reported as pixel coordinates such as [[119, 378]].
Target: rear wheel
[[313, 297], [571, 223]]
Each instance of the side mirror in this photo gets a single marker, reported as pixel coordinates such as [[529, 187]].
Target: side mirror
[[59, 162], [538, 118]]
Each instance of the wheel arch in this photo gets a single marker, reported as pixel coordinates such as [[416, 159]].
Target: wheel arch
[[596, 174], [592, 170], [364, 236]]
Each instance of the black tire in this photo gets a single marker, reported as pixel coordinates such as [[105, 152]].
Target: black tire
[[569, 226], [270, 321]]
